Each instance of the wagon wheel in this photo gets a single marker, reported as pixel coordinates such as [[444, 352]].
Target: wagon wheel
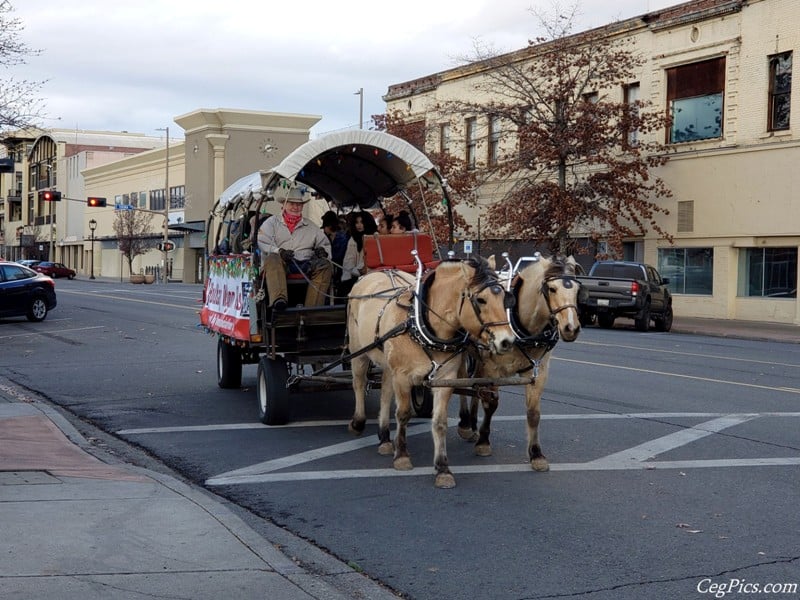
[[273, 397], [422, 401], [229, 365]]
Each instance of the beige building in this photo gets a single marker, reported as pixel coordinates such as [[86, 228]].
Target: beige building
[[734, 146], [131, 172]]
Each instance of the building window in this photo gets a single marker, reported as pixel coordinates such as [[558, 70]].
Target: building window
[[690, 270], [157, 199], [631, 97], [177, 197], [768, 272], [695, 95], [494, 140], [780, 91], [472, 141], [444, 138]]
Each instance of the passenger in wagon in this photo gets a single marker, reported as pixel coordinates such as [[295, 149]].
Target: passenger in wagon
[[360, 224], [289, 243], [385, 223], [402, 223]]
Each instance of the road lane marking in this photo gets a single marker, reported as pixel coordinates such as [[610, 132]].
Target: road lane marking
[[682, 376], [682, 353], [341, 423], [515, 468], [58, 331], [653, 448], [126, 299]]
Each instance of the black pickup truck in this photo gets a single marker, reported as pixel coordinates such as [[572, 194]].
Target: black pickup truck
[[625, 289]]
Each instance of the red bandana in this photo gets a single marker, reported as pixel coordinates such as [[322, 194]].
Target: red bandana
[[291, 220]]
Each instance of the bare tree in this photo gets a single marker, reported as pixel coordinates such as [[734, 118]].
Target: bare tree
[[573, 155], [20, 106], [134, 234]]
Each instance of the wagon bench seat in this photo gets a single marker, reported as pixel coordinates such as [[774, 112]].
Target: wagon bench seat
[[393, 251]]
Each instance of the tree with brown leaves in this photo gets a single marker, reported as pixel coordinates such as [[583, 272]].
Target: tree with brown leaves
[[574, 155], [134, 234]]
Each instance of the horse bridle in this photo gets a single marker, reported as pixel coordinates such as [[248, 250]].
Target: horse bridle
[[508, 303], [568, 281]]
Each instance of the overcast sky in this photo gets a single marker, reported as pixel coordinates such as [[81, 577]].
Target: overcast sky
[[135, 66]]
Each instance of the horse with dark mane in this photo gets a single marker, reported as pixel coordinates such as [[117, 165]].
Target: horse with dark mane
[[419, 335], [546, 293]]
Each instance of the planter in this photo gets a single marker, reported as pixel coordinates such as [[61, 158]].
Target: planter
[[137, 278], [149, 278]]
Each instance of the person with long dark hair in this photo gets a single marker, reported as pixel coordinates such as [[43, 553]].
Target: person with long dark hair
[[359, 224]]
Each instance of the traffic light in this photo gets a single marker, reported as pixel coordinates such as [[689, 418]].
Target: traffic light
[[95, 202], [49, 195], [166, 246]]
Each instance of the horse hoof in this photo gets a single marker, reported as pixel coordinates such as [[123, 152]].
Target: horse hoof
[[355, 428], [402, 464], [483, 450], [445, 481], [540, 464], [467, 434], [386, 449]]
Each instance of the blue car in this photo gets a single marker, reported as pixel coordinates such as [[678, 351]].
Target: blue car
[[24, 292]]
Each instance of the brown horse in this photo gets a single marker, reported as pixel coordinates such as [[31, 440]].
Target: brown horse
[[462, 304], [546, 293]]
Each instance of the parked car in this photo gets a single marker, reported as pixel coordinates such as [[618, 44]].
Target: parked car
[[633, 290], [25, 292], [54, 269], [28, 262]]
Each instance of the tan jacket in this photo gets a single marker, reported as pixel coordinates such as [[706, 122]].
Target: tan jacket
[[274, 235]]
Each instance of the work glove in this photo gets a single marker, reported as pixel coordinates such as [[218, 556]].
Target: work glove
[[320, 252], [286, 255]]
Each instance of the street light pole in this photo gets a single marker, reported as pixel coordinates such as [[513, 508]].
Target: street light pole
[[164, 277], [360, 93], [92, 227]]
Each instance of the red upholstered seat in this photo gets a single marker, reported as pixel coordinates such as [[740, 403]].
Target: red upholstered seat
[[393, 251]]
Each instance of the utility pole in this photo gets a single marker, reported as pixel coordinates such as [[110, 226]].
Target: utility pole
[[360, 93], [164, 277]]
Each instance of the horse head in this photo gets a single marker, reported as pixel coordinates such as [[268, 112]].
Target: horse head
[[548, 293], [474, 299]]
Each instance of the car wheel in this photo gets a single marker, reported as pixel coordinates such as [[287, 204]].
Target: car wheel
[[37, 311], [665, 322], [643, 322], [71, 276]]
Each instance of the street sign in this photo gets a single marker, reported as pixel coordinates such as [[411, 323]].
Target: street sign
[[123, 207], [468, 246]]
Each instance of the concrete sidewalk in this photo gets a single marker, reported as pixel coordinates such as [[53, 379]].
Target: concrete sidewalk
[[73, 526]]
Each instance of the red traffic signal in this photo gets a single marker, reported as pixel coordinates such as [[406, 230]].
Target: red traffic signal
[[49, 195], [95, 202], [166, 246]]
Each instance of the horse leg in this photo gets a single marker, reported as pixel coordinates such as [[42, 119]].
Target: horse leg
[[489, 398], [402, 392], [385, 447], [360, 366], [468, 419], [444, 477], [533, 396]]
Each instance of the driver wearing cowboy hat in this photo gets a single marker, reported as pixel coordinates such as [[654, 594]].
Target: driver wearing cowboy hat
[[290, 243]]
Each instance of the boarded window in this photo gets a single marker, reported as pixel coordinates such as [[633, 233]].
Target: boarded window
[[686, 216]]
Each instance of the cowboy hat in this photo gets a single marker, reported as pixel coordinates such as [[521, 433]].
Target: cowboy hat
[[293, 194]]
